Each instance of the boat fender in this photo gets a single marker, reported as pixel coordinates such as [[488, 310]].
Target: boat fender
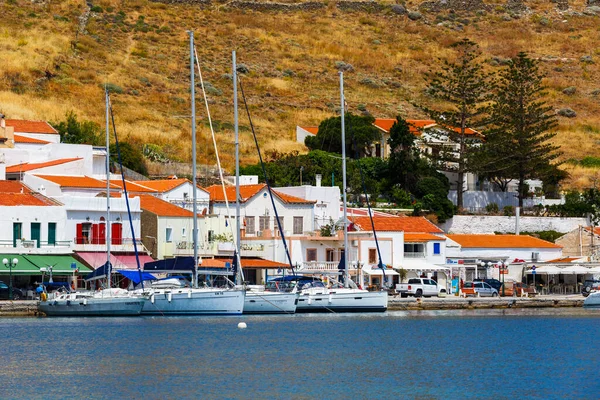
[[170, 297], [152, 299], [189, 294], [68, 302], [44, 296], [309, 300], [330, 297], [242, 325], [85, 302]]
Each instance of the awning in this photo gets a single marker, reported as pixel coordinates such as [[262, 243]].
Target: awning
[[247, 263], [379, 272], [118, 261], [177, 265], [31, 264], [129, 262], [422, 266]]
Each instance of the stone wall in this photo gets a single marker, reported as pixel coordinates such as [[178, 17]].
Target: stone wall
[[490, 224]]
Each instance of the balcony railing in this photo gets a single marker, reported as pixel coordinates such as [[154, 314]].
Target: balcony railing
[[32, 244], [414, 254]]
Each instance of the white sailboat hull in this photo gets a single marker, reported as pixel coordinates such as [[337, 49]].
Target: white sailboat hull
[[341, 300], [194, 301], [592, 301], [87, 304], [270, 303]]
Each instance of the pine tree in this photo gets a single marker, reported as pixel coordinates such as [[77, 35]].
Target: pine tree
[[518, 141], [461, 89]]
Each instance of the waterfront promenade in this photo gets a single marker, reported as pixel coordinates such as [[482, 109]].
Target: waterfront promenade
[[396, 303]]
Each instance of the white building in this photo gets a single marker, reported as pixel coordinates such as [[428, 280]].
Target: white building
[[177, 191]]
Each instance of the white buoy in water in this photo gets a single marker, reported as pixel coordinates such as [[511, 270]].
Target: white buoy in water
[[242, 325]]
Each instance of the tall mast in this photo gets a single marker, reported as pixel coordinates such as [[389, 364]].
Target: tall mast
[[342, 109], [108, 226], [195, 195], [237, 159]]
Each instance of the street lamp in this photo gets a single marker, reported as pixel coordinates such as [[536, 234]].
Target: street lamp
[[503, 267], [482, 264], [10, 264]]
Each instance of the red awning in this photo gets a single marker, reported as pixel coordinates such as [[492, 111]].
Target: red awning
[[96, 260], [246, 263]]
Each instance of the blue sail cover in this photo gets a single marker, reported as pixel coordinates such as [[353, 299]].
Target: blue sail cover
[[99, 273], [134, 275], [179, 265]]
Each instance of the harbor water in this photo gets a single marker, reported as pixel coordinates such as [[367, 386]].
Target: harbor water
[[473, 354]]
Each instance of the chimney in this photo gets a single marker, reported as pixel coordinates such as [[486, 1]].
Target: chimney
[[318, 178]]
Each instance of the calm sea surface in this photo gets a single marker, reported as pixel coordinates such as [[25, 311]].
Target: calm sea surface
[[512, 354]]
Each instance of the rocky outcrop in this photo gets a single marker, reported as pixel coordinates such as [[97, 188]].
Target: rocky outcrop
[[515, 6], [280, 7], [360, 6], [456, 5]]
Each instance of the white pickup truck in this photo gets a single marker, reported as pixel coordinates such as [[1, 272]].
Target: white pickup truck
[[419, 287]]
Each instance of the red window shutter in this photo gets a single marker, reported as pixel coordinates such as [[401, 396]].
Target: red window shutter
[[102, 234], [95, 232], [117, 232], [79, 234]]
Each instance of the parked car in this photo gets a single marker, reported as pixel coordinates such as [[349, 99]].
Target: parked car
[[419, 287], [495, 283], [5, 291], [481, 288], [589, 286]]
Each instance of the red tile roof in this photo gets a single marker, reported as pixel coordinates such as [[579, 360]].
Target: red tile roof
[[25, 139], [24, 126], [77, 181], [33, 166], [396, 224], [566, 259], [162, 208], [247, 192], [162, 185], [421, 237], [416, 126], [132, 186], [246, 263], [14, 193], [501, 241], [311, 129]]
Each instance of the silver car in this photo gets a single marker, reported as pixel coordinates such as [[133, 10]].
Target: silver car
[[482, 289]]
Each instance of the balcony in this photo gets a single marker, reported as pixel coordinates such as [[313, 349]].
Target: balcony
[[30, 246], [125, 245]]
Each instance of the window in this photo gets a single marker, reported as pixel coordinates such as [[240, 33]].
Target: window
[[263, 223], [311, 254], [330, 255], [17, 232], [298, 225], [51, 233], [372, 256], [169, 235], [182, 232], [280, 223], [436, 248], [414, 250], [250, 225]]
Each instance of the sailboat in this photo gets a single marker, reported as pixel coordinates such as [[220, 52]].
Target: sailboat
[[107, 302], [272, 298], [172, 297], [345, 296]]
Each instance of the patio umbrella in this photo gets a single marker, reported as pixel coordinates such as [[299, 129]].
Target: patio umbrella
[[575, 270], [595, 270], [546, 269]]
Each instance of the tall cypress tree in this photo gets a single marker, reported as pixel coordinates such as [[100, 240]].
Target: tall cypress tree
[[461, 89], [518, 141]]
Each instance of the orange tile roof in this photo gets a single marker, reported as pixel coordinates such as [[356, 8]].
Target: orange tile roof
[[501, 241], [246, 263], [77, 181], [415, 125], [25, 126], [32, 166], [25, 139], [247, 192], [397, 224], [162, 208], [566, 259], [421, 237], [13, 187], [162, 185], [132, 186], [311, 129]]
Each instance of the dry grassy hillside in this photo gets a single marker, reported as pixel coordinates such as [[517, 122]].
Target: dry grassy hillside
[[54, 60]]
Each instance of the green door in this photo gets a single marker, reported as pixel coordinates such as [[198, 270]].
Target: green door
[[36, 232], [17, 232], [51, 233]]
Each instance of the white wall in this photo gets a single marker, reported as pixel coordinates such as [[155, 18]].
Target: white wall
[[301, 134], [28, 214], [327, 206], [489, 224], [48, 137], [182, 196]]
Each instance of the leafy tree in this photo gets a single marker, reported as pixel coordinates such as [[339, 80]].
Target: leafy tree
[[460, 90], [131, 156], [73, 131], [359, 130], [433, 192], [404, 156], [518, 142]]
